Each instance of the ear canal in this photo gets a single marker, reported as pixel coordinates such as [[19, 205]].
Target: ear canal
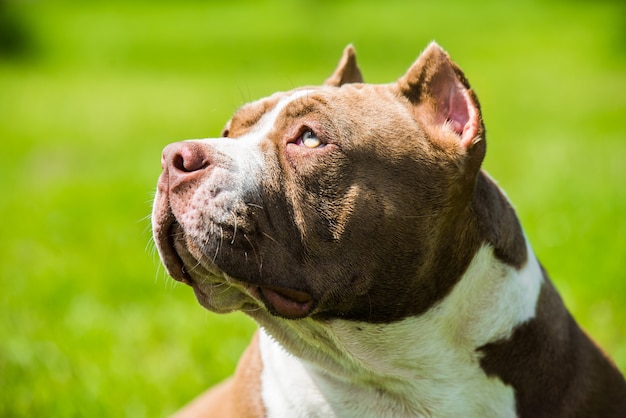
[[438, 87], [347, 71]]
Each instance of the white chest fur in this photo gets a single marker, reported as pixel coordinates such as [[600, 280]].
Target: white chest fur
[[425, 366]]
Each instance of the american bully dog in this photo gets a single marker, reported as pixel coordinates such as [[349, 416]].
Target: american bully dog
[[389, 274]]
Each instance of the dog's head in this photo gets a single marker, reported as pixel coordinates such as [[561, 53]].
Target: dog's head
[[344, 200]]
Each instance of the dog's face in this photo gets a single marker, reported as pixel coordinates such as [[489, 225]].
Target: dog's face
[[330, 201]]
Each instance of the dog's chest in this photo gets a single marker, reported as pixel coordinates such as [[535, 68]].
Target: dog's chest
[[292, 388]]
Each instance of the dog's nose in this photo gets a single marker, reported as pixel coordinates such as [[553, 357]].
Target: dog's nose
[[184, 157]]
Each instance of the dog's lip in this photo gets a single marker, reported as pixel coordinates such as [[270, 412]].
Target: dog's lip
[[171, 259], [286, 302]]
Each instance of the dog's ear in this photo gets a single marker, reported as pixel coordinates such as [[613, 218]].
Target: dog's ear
[[441, 93], [347, 71]]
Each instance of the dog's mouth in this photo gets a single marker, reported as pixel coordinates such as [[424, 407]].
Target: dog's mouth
[[280, 301]]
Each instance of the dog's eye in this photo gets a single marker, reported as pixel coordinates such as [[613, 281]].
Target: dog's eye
[[310, 140]]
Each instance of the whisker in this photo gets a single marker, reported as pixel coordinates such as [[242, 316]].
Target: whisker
[[256, 255], [420, 216], [150, 247], [271, 238], [256, 308], [147, 217], [219, 245]]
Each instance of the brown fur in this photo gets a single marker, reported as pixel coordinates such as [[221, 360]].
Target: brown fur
[[377, 225]]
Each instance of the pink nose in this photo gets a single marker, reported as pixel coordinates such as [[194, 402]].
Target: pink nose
[[182, 158]]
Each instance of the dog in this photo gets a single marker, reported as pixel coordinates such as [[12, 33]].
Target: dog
[[388, 272]]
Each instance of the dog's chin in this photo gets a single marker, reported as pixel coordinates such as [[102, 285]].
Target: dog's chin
[[221, 297], [218, 292]]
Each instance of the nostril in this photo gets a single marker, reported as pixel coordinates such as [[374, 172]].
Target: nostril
[[191, 158], [178, 162], [186, 157]]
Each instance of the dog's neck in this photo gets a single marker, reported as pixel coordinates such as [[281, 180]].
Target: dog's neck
[[410, 367], [414, 362]]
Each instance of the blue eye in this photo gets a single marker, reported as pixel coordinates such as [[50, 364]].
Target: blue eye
[[310, 140]]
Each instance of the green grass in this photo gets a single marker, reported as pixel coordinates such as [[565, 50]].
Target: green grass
[[91, 325]]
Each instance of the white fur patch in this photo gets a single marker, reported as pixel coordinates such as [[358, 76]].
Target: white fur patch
[[267, 121], [425, 366]]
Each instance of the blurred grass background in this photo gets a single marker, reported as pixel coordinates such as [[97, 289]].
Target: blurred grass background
[[90, 92]]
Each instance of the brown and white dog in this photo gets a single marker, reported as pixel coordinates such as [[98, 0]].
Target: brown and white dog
[[388, 273]]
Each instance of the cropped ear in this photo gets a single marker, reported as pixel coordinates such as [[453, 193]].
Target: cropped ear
[[347, 71], [438, 88]]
